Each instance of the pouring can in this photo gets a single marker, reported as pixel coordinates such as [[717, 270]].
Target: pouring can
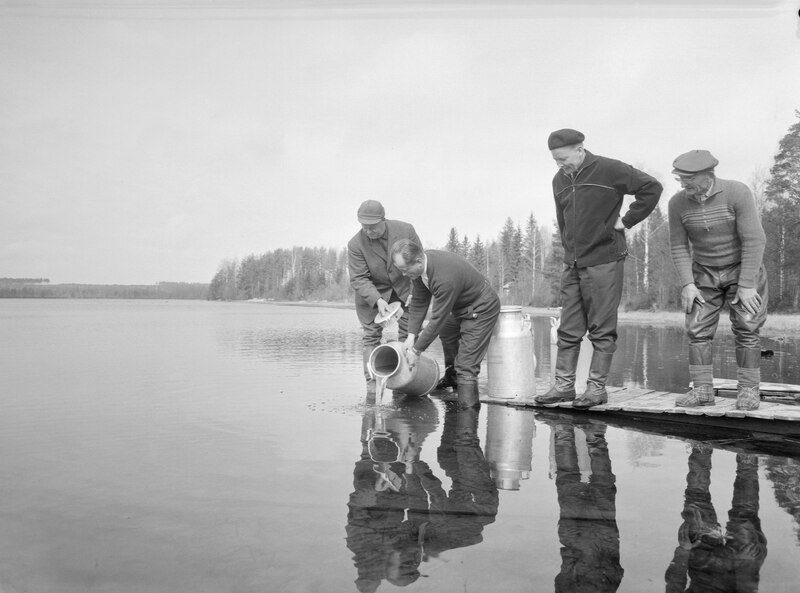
[[388, 363]]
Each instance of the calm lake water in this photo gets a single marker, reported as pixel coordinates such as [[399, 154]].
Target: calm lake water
[[228, 447]]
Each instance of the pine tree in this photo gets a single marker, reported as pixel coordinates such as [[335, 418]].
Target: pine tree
[[780, 220]]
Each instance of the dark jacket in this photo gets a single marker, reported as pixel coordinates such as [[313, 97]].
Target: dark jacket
[[455, 286], [372, 274], [589, 202]]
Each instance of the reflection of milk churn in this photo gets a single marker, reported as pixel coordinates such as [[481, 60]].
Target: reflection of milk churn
[[509, 445], [511, 361], [388, 363]]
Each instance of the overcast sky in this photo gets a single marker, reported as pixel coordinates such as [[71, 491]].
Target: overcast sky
[[149, 141]]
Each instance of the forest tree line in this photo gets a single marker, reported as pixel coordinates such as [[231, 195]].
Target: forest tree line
[[524, 262], [41, 288]]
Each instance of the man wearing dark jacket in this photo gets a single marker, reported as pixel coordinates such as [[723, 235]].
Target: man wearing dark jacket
[[589, 191], [465, 311], [375, 280]]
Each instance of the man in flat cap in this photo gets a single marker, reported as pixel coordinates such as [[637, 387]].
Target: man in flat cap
[[589, 191], [374, 278], [717, 243]]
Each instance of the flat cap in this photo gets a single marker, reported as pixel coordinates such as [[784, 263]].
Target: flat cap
[[371, 212], [565, 137], [694, 161]]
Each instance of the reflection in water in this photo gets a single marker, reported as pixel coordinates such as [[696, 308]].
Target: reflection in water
[[785, 475], [509, 438], [717, 560], [587, 525], [399, 513]]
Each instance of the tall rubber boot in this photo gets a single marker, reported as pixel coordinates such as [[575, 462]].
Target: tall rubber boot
[[748, 376], [449, 377], [563, 389], [468, 396], [595, 393], [701, 364], [701, 372]]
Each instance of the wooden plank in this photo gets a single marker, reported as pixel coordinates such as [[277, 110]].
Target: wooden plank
[[731, 385], [655, 402]]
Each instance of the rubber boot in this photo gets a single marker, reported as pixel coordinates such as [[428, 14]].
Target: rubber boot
[[449, 378], [563, 389], [701, 373], [595, 393], [748, 376], [701, 364], [468, 396]]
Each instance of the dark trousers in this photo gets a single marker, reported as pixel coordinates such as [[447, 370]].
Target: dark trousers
[[590, 298], [465, 340], [719, 286]]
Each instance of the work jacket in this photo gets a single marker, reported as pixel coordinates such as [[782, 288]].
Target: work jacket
[[588, 204], [372, 273]]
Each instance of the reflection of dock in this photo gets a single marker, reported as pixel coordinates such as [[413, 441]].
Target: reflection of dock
[[772, 417]]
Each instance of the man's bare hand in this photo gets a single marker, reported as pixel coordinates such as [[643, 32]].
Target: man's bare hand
[[748, 299], [689, 296]]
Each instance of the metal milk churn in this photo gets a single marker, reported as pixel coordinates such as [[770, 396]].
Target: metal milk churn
[[387, 363], [511, 362]]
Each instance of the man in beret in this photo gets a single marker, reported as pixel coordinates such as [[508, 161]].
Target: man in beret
[[717, 244], [374, 278], [589, 191]]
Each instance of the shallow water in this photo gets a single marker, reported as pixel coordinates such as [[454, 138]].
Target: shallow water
[[191, 446]]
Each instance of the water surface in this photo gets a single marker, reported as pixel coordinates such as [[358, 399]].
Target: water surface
[[227, 447]]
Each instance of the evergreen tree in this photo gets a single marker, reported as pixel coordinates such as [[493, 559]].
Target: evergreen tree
[[780, 220], [453, 243]]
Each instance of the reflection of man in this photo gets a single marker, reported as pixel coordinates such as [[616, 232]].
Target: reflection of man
[[717, 243], [464, 313], [587, 526], [589, 192], [457, 517], [388, 510], [717, 560], [399, 513], [376, 282]]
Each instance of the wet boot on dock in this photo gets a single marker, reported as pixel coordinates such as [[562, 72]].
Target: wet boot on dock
[[449, 378], [748, 376], [468, 395], [595, 393], [563, 389], [701, 372]]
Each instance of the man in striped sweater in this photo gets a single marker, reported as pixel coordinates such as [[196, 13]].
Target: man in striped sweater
[[717, 243]]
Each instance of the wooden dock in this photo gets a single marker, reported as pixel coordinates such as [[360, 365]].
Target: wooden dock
[[778, 415]]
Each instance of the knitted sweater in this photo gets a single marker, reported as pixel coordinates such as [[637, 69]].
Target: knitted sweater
[[722, 230]]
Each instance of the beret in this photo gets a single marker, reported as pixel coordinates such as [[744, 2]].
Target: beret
[[565, 137], [694, 161], [371, 212]]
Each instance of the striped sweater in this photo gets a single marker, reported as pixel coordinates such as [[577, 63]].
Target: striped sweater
[[720, 231]]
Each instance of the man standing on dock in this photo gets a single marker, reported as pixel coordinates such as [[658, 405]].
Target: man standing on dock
[[465, 310], [375, 280], [717, 243], [589, 192]]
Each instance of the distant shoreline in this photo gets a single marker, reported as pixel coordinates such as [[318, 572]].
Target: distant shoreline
[[776, 323]]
